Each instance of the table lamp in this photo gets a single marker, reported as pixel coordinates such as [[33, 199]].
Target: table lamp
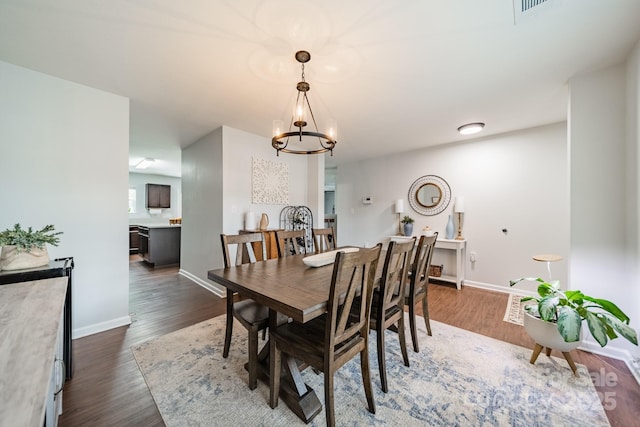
[[399, 208], [459, 209]]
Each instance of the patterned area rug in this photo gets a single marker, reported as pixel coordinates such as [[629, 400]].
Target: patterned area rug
[[458, 378], [515, 310]]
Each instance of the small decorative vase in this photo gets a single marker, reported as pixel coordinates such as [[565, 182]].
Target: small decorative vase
[[449, 230], [264, 221], [408, 229], [11, 259], [250, 221]]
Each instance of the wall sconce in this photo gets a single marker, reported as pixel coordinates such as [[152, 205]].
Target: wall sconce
[[459, 209], [399, 209]]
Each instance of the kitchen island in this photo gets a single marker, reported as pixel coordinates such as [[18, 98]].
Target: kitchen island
[[159, 244]]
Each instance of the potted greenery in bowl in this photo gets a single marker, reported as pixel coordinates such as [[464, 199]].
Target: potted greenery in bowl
[[26, 248], [407, 224], [555, 321]]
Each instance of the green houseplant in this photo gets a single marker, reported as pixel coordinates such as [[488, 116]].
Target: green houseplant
[[569, 308], [407, 223], [26, 248], [27, 240]]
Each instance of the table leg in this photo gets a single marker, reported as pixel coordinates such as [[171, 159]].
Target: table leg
[[298, 396]]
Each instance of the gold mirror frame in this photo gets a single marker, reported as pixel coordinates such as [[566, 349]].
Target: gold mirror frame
[[436, 203]]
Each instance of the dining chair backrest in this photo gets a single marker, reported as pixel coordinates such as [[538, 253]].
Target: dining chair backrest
[[290, 242], [394, 275], [246, 246], [420, 268], [324, 239], [352, 279]]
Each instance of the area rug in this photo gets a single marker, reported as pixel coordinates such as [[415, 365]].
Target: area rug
[[515, 310], [458, 378]]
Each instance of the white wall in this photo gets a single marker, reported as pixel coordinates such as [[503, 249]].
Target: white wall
[[516, 181], [142, 215], [64, 161], [202, 207], [603, 155], [216, 183]]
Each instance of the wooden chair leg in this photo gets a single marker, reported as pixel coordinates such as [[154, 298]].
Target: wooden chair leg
[[275, 364], [425, 314], [548, 352], [253, 359], [229, 330], [569, 360], [366, 379], [328, 398], [381, 362], [536, 351], [403, 341], [412, 326]]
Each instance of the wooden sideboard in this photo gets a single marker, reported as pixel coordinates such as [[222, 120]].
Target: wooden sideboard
[[31, 352], [269, 241]]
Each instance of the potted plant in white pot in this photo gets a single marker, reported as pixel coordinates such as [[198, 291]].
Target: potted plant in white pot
[[407, 225], [26, 248], [555, 321]]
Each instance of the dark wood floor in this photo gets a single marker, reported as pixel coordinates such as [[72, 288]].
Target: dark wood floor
[[108, 389]]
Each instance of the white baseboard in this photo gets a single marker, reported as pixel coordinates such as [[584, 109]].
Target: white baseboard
[[100, 327], [498, 288], [591, 347], [211, 287]]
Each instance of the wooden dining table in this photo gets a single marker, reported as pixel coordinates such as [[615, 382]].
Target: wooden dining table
[[289, 287]]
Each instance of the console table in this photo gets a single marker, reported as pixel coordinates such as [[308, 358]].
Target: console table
[[60, 267], [459, 246], [31, 352]]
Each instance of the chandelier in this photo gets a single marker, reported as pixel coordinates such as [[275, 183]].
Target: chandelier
[[300, 141]]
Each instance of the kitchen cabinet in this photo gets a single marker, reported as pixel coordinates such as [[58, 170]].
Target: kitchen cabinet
[[158, 196], [159, 244], [133, 239]]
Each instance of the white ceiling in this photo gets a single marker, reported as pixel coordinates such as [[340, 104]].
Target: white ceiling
[[397, 75]]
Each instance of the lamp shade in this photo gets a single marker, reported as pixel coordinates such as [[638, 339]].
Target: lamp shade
[[459, 205], [399, 207]]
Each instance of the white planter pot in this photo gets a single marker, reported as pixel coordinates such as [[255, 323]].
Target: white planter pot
[[546, 334], [11, 259]]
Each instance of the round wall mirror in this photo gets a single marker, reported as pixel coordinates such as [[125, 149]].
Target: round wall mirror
[[429, 195]]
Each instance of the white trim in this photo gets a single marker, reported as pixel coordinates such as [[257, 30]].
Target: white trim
[[100, 327], [211, 287], [497, 288]]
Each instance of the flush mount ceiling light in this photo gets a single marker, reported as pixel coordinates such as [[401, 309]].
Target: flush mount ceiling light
[[470, 128], [145, 163], [303, 141]]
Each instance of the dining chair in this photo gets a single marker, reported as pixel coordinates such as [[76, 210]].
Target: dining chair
[[324, 239], [253, 316], [418, 282], [387, 310], [329, 341], [290, 242]]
